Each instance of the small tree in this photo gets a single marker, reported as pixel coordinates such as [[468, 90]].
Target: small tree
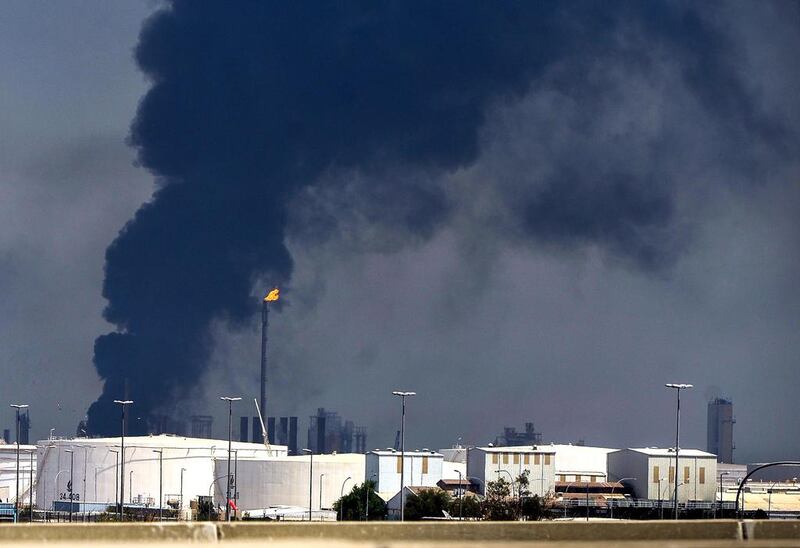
[[427, 503], [467, 506], [498, 504], [352, 506]]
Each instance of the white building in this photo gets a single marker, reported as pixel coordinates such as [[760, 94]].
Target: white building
[[422, 469], [274, 482], [654, 473], [579, 463], [8, 472], [189, 468], [491, 463]]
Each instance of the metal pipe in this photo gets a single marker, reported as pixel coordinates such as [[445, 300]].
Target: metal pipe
[[320, 490], [160, 483], [70, 487], [310, 479]]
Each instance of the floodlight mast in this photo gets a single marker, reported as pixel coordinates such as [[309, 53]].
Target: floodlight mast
[[678, 387]]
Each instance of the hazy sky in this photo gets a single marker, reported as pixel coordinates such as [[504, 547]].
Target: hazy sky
[[621, 219]]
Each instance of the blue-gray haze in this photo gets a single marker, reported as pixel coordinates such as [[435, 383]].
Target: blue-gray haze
[[521, 210]]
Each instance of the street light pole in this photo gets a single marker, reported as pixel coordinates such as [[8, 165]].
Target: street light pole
[[230, 401], [70, 487], [123, 404], [160, 483], [678, 388], [460, 496], [720, 494], [564, 496], [367, 490], [310, 478], [612, 493], [17, 407], [341, 496], [403, 396]]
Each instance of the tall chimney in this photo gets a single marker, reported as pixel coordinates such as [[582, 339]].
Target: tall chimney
[[264, 323]]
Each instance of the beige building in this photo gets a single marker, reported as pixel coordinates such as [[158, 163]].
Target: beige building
[[653, 470], [491, 463]]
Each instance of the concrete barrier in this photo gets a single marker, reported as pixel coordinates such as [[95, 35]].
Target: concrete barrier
[[486, 531], [775, 529], [420, 532], [108, 532]]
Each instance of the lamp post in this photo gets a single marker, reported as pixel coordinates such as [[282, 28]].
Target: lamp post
[[367, 490], [116, 476], [310, 478], [17, 407], [677, 387], [341, 496], [769, 500], [123, 404], [230, 401], [160, 483], [70, 485], [85, 462], [130, 486], [564, 496], [403, 396], [460, 495], [320, 490], [660, 500], [612, 493], [720, 495]]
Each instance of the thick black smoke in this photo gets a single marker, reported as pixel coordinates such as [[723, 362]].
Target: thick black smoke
[[253, 101]]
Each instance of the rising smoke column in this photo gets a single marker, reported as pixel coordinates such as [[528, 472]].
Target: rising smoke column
[[253, 101]]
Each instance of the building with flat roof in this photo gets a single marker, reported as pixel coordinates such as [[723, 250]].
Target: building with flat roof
[[581, 463], [653, 473], [422, 468], [491, 463]]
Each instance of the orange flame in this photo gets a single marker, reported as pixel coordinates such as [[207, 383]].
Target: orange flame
[[273, 295]]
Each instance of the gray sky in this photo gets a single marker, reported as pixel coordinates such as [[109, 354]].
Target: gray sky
[[489, 326]]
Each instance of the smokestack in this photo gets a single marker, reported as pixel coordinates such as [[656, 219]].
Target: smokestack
[[264, 324]]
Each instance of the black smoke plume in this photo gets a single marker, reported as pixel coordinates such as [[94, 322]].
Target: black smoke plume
[[252, 101]]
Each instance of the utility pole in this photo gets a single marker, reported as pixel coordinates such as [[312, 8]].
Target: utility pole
[[123, 404], [403, 396]]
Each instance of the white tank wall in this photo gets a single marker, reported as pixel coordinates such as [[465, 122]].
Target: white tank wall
[[8, 472], [285, 482], [196, 456]]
